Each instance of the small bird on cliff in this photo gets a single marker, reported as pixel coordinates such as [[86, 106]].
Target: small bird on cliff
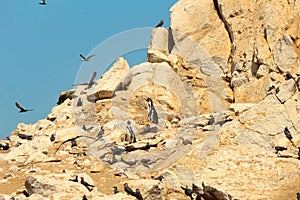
[[152, 114], [130, 135], [100, 134], [288, 134], [128, 190], [188, 192], [22, 109], [87, 185], [52, 137], [84, 197], [138, 194], [25, 137], [116, 191], [298, 153], [279, 148], [43, 2], [288, 76], [74, 180], [161, 22], [86, 59], [4, 146], [73, 141]]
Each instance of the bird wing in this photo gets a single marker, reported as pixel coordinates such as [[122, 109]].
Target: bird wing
[[75, 138], [89, 57], [82, 57], [68, 140], [92, 78], [20, 107]]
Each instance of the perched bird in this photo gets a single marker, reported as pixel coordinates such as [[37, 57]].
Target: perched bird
[[74, 180], [73, 141], [128, 190], [86, 59], [188, 192], [288, 75], [130, 133], [21, 108], [84, 197], [25, 193], [288, 133], [25, 137], [100, 134], [271, 88], [161, 22], [298, 153], [79, 102], [91, 82], [211, 120], [152, 114], [4, 146], [42, 2], [138, 194], [116, 190], [52, 137], [87, 185], [279, 148], [298, 196]]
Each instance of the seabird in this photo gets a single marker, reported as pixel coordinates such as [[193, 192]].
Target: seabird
[[73, 141], [152, 114], [25, 137], [298, 153], [188, 192], [271, 88], [4, 146], [298, 196], [87, 185], [86, 59], [91, 82], [79, 102], [128, 190], [161, 22], [288, 134], [288, 76], [21, 108], [84, 197], [116, 190], [279, 148], [211, 120], [138, 194], [42, 2], [52, 137], [74, 180], [101, 132], [130, 133]]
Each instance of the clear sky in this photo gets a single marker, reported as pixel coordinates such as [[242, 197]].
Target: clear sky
[[40, 47]]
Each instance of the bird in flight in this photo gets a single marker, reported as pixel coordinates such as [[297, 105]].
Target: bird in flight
[[73, 141], [21, 108], [91, 82], [160, 24], [42, 2], [86, 59]]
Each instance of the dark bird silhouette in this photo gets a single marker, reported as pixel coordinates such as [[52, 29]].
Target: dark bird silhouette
[[161, 22], [138, 194], [79, 102], [152, 114], [86, 59], [279, 148], [271, 88], [42, 2], [84, 197], [22, 109], [115, 190], [87, 185], [188, 192], [91, 82], [128, 190], [25, 137], [298, 153], [25, 193], [288, 76], [298, 196], [211, 120], [52, 137], [73, 141], [74, 180], [130, 133], [100, 134], [287, 133]]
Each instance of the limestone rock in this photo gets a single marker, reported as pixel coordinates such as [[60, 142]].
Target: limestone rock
[[286, 90], [159, 41], [109, 82], [65, 95]]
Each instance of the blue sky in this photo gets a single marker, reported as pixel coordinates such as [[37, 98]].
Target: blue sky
[[40, 47]]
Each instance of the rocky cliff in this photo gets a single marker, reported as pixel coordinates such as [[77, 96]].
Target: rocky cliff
[[224, 80]]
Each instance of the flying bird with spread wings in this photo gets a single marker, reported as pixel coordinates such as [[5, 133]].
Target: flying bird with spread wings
[[86, 59], [42, 2], [73, 141], [22, 109], [91, 82]]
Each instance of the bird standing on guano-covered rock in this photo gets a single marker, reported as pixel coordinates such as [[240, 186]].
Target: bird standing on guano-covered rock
[[138, 194], [130, 135], [74, 180], [279, 148], [152, 114], [288, 135], [128, 190], [52, 137], [22, 109], [73, 141], [87, 185], [100, 134], [188, 192], [86, 59], [84, 197], [161, 22], [116, 191]]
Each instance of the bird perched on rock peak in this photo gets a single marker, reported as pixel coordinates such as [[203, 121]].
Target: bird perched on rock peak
[[161, 22], [188, 192]]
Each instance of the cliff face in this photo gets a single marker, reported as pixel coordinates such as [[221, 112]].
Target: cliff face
[[224, 80]]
